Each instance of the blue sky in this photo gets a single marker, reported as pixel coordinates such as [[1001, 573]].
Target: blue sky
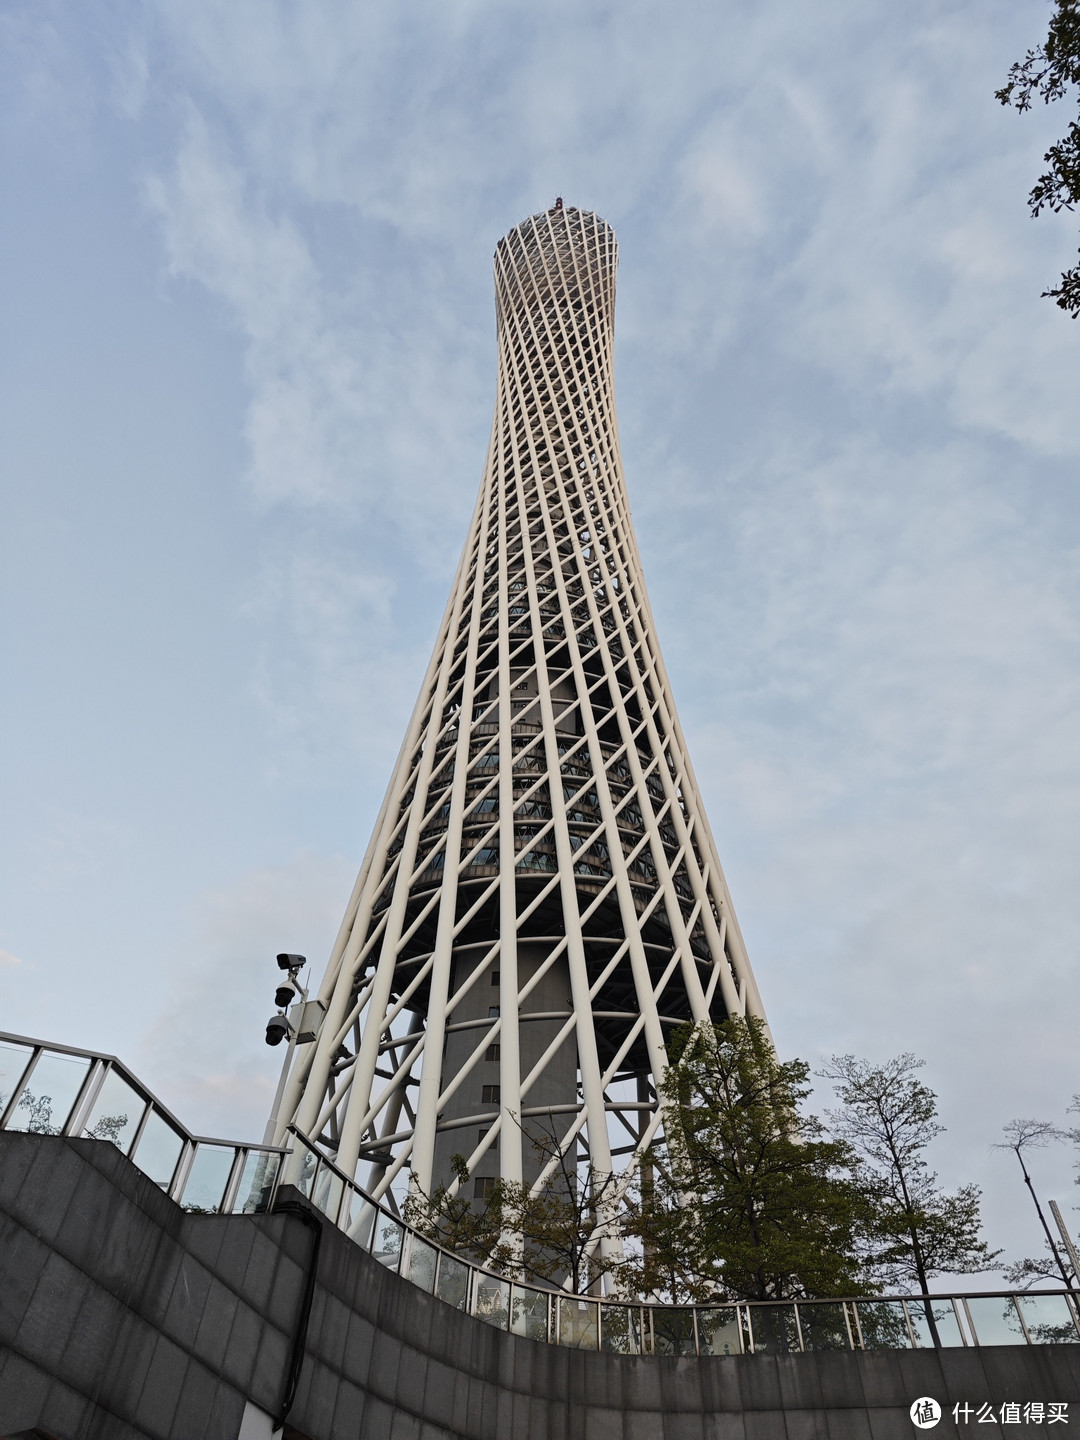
[[246, 371]]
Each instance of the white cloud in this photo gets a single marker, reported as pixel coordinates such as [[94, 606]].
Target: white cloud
[[7, 958]]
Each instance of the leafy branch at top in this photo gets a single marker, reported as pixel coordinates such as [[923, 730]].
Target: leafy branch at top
[[1050, 71]]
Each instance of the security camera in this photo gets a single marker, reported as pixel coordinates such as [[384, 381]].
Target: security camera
[[277, 1029], [285, 994], [291, 962]]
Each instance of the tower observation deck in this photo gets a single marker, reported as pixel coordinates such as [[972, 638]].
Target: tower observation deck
[[542, 902]]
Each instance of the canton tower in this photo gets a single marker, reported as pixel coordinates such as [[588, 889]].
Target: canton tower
[[542, 902]]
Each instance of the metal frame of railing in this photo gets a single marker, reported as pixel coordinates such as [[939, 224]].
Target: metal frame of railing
[[206, 1175], [722, 1328], [62, 1090]]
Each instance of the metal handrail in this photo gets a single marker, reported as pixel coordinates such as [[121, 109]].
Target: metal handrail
[[235, 1177], [200, 1172], [529, 1308]]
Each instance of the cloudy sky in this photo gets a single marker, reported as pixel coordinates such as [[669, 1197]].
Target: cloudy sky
[[246, 369]]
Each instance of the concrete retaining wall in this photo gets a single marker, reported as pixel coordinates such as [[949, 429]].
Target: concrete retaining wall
[[122, 1317]]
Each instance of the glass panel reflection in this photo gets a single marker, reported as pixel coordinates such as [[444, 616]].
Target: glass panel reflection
[[422, 1258], [453, 1286], [360, 1222], [13, 1062], [578, 1323], [824, 1327], [718, 1332], [116, 1113], [49, 1095], [1049, 1319], [493, 1300], [995, 1321], [204, 1188], [883, 1324], [673, 1331], [620, 1329], [256, 1183], [921, 1312], [306, 1178], [158, 1150], [388, 1236], [773, 1329], [327, 1192], [529, 1313]]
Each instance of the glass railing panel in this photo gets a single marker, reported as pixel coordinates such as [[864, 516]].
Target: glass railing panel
[[256, 1188], [578, 1323], [673, 1331], [204, 1188], [529, 1312], [158, 1150], [883, 1324], [620, 1329], [995, 1321], [824, 1326], [49, 1094], [774, 1330], [422, 1261], [13, 1062], [388, 1237], [116, 1113], [453, 1282], [945, 1322], [305, 1174], [719, 1332], [327, 1191], [1049, 1319], [359, 1221], [492, 1300]]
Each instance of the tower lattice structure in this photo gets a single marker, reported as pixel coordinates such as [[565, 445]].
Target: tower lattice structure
[[542, 901]]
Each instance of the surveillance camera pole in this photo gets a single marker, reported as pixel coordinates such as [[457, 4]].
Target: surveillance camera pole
[[271, 1124]]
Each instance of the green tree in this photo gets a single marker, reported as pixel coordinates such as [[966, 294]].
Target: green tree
[[745, 1198], [550, 1235], [1051, 71], [474, 1230], [919, 1230], [560, 1226]]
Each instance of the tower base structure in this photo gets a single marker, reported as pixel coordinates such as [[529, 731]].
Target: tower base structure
[[123, 1317]]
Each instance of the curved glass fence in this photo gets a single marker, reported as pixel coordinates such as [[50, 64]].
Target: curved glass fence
[[56, 1090], [737, 1328]]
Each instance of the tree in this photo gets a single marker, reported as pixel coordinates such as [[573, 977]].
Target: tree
[[551, 1235], [452, 1220], [919, 1230], [561, 1225], [747, 1200], [1050, 71], [41, 1111], [1021, 1135]]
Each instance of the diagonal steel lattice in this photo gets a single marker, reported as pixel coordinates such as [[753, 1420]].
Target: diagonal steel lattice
[[542, 900]]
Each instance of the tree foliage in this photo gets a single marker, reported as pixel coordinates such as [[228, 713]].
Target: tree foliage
[[745, 1196], [474, 1230], [551, 1235], [1022, 1136], [562, 1224], [747, 1199], [1051, 71], [919, 1230]]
